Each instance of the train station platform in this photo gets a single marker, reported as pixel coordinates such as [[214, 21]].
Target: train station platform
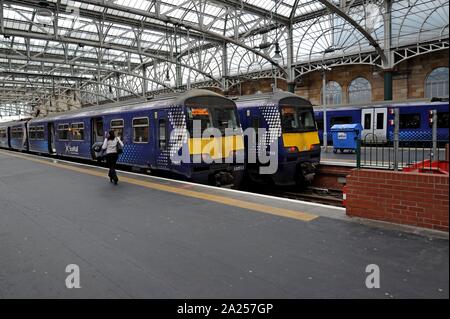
[[150, 237]]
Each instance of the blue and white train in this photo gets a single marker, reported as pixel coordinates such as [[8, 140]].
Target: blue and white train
[[288, 123], [146, 130], [377, 120]]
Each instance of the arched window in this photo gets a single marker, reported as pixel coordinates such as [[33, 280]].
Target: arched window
[[334, 93], [360, 91], [436, 84]]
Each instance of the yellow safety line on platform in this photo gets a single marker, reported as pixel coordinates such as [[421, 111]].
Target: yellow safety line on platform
[[182, 191]]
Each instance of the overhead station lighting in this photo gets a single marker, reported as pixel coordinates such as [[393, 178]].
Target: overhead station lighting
[[44, 15], [277, 56], [167, 79]]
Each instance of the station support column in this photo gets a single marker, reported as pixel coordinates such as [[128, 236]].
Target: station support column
[[388, 85], [290, 60], [396, 137], [434, 120], [388, 65]]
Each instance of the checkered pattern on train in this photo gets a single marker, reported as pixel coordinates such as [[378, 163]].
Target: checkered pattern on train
[[132, 153], [178, 135], [417, 135], [272, 116]]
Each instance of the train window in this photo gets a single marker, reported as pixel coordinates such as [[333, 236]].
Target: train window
[[409, 121], [32, 133], [36, 133], [17, 133], [306, 119], [117, 126], [225, 118], [367, 121], [295, 119], [380, 121], [341, 120], [2, 133], [162, 135], [140, 130], [40, 133], [200, 117], [442, 119], [63, 132], [78, 131]]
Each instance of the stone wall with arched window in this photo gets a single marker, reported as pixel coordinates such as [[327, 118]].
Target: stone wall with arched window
[[360, 91]]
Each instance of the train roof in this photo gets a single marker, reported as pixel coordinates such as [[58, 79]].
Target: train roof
[[134, 105], [14, 123], [267, 98]]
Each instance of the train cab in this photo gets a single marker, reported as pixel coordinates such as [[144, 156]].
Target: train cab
[[288, 129]]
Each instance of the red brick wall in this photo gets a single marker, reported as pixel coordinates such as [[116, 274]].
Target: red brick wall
[[328, 176], [403, 198]]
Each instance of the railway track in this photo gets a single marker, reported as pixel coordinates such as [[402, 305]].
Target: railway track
[[311, 194]]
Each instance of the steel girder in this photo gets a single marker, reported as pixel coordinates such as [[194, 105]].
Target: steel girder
[[200, 41]]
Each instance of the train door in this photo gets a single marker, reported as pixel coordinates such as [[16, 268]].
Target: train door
[[8, 136], [51, 138], [97, 132], [25, 145], [374, 123], [162, 140]]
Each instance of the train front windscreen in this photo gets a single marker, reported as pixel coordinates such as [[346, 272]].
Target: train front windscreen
[[297, 119], [221, 118]]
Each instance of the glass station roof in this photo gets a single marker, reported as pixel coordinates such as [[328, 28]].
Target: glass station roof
[[161, 44]]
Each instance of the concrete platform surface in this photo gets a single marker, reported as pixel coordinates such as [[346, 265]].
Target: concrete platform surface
[[155, 238]]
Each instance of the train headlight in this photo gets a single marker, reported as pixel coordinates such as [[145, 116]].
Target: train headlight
[[292, 149]]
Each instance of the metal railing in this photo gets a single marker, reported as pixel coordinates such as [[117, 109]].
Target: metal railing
[[421, 154]]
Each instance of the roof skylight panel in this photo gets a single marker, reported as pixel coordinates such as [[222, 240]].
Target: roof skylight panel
[[13, 15], [18, 40], [178, 13], [191, 16], [36, 42], [308, 7], [218, 25], [114, 12], [213, 10], [267, 5], [284, 10], [9, 23], [63, 23]]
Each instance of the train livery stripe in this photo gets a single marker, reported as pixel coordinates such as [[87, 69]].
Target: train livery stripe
[[277, 211]]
